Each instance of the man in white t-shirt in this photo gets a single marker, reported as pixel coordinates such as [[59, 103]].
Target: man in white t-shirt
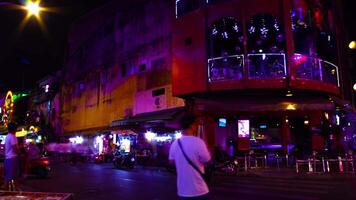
[[190, 183], [11, 163]]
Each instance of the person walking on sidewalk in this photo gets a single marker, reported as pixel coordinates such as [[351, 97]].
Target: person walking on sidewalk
[[190, 183], [11, 163]]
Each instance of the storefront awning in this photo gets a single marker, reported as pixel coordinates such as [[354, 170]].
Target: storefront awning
[[264, 105], [88, 131], [150, 118]]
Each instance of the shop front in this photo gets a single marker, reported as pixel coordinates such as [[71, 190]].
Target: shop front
[[274, 127], [153, 134]]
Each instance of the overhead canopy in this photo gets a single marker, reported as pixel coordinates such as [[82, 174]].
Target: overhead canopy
[[150, 119], [264, 104]]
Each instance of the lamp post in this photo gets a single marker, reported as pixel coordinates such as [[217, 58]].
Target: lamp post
[[352, 47]]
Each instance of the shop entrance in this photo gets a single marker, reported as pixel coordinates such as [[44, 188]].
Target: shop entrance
[[300, 137]]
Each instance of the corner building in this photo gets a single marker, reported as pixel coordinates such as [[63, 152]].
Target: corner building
[[263, 75]]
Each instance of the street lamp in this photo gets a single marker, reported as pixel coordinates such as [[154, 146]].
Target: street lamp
[[33, 8], [352, 45]]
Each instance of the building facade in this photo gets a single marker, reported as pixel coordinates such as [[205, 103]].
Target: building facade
[[263, 75], [118, 71]]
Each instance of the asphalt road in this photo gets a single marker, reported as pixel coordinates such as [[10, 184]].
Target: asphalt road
[[102, 182]]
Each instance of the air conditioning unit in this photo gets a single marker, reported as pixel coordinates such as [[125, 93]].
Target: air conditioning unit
[[150, 100]]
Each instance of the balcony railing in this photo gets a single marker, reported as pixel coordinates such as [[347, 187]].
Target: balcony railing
[[226, 68], [272, 66], [309, 68], [266, 65]]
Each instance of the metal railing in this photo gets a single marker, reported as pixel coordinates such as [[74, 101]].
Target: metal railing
[[267, 65], [271, 66], [226, 68], [318, 163], [310, 68]]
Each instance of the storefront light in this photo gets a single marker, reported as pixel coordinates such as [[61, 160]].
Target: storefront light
[[162, 138], [178, 134], [149, 135], [337, 119], [291, 107], [76, 140], [29, 140], [326, 115]]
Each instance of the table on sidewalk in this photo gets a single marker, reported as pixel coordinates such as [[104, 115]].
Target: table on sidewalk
[[7, 195]]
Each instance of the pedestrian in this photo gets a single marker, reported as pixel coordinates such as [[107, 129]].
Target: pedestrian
[[190, 182], [11, 163]]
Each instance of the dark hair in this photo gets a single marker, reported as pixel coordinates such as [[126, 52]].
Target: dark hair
[[12, 127], [187, 121]]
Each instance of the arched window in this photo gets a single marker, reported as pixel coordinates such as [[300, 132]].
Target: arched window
[[225, 50], [266, 47], [185, 6], [314, 40]]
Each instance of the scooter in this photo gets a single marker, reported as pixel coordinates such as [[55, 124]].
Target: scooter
[[228, 167], [126, 160], [39, 167]]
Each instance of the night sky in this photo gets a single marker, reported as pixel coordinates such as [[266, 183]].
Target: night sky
[[32, 52]]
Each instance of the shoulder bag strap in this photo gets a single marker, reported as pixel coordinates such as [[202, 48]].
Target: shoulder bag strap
[[189, 161]]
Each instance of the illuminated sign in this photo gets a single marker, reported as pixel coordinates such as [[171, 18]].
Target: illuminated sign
[[244, 128], [222, 122]]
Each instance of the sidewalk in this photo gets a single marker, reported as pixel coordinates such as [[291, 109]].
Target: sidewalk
[[291, 173]]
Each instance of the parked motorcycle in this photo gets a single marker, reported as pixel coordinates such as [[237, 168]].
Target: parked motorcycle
[[124, 160], [99, 158], [227, 167], [39, 167]]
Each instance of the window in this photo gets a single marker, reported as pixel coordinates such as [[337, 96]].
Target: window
[[266, 47], [159, 63], [188, 41], [315, 48], [186, 6], [313, 23], [158, 92], [81, 86], [265, 35], [142, 68], [123, 70], [225, 50]]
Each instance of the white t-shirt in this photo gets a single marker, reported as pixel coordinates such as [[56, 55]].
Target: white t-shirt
[[189, 181], [10, 140]]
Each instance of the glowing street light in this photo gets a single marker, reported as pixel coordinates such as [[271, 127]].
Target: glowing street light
[[33, 8], [352, 45], [354, 87]]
